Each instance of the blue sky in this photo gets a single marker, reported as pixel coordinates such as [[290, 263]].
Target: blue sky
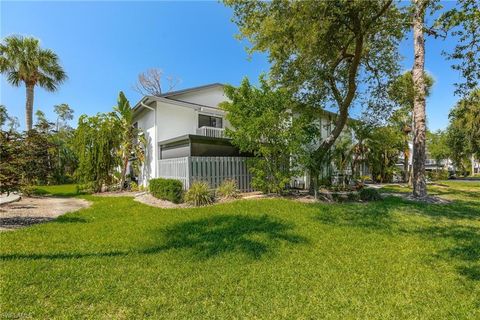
[[104, 45]]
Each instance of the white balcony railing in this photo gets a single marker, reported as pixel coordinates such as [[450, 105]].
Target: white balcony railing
[[211, 132]]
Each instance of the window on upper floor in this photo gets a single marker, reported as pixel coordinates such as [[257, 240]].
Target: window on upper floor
[[209, 121]]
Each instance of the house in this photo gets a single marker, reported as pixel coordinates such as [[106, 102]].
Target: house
[[185, 135]]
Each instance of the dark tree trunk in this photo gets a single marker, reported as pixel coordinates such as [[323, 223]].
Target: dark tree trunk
[[29, 106], [418, 75]]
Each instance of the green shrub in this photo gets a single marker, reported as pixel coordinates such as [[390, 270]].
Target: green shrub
[[228, 189], [134, 186], [166, 189], [27, 190], [437, 175], [353, 196], [369, 194], [199, 194], [88, 187]]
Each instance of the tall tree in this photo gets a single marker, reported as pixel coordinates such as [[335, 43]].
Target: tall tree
[[462, 22], [323, 51], [401, 91], [97, 139], [23, 61], [64, 114], [464, 127], [419, 118], [265, 127], [131, 138]]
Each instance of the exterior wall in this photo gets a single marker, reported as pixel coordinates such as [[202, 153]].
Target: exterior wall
[[146, 122], [208, 97], [174, 121]]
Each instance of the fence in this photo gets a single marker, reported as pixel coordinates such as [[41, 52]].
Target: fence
[[213, 170]]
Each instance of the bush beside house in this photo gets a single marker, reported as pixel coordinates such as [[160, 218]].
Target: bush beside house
[[166, 189]]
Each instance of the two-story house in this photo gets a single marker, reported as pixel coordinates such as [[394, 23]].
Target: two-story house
[[185, 135]]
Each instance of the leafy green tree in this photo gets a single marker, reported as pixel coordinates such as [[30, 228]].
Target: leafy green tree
[[12, 162], [23, 61], [384, 147], [464, 129], [132, 140], [37, 150], [266, 127], [437, 146], [324, 51], [66, 160], [97, 139], [401, 92], [64, 114]]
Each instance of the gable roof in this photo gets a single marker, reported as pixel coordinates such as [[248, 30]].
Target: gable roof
[[168, 97], [193, 89]]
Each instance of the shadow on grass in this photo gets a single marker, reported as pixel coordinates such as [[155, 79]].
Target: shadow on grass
[[253, 236], [67, 219], [378, 216], [466, 248], [206, 238]]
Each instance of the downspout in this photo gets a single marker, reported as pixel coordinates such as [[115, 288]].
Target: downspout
[[155, 145]]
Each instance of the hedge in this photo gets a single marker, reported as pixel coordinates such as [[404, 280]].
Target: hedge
[[166, 189]]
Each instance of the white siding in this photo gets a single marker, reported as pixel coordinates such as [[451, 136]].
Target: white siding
[[208, 97], [146, 122], [174, 121]]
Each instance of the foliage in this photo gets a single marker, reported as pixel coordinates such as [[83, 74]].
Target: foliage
[[199, 194], [37, 148], [23, 61], [132, 141], [265, 127], [463, 133], [134, 186], [342, 154], [437, 175], [401, 91], [384, 147], [96, 142], [86, 188], [369, 194], [11, 161], [228, 189], [437, 146], [324, 52], [166, 189], [463, 22]]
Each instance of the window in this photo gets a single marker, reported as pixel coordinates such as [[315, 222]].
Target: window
[[209, 121]]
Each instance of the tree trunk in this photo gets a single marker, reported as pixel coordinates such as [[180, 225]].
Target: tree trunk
[[418, 75], [472, 159], [124, 172], [29, 106]]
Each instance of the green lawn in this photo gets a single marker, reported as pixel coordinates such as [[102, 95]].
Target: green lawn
[[264, 259]]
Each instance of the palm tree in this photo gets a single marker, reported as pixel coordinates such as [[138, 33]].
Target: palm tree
[[132, 140], [23, 61]]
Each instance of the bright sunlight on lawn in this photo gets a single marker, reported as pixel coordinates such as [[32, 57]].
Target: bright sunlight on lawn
[[271, 259]]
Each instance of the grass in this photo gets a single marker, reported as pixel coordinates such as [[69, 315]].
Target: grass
[[271, 258], [64, 190]]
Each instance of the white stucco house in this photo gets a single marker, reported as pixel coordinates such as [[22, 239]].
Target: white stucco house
[[185, 134]]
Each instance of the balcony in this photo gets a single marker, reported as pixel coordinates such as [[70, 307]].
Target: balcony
[[211, 132]]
